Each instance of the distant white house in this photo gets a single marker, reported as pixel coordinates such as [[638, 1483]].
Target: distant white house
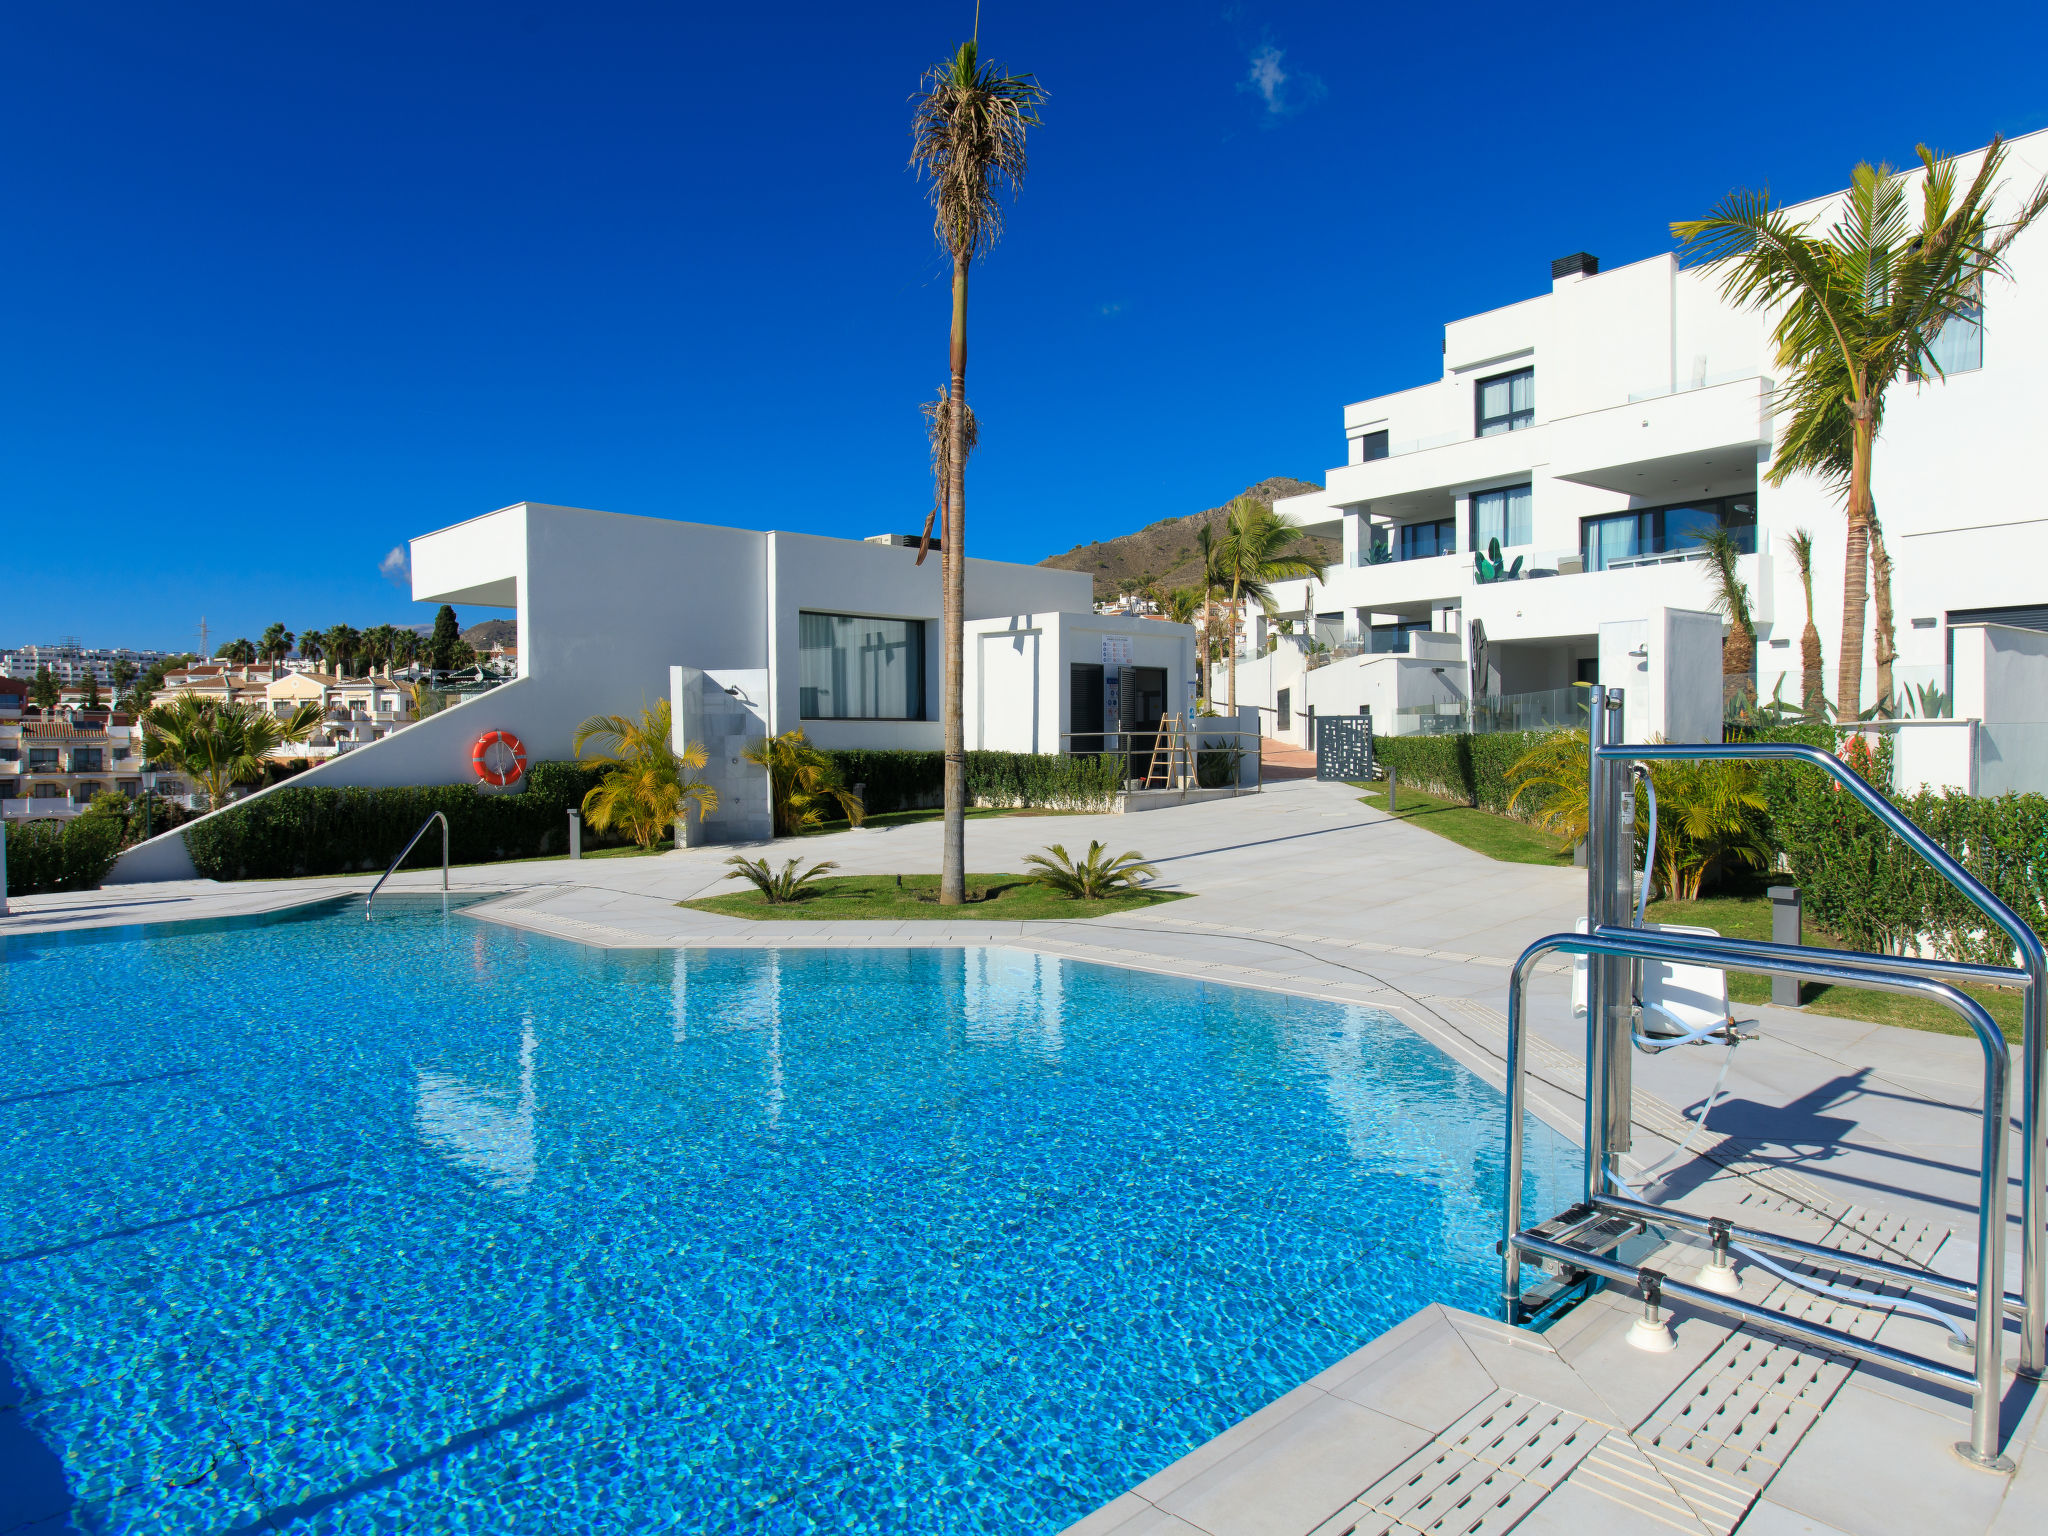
[[1596, 430], [752, 633]]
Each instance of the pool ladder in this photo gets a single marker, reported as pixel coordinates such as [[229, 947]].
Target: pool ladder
[[1583, 1240], [437, 816]]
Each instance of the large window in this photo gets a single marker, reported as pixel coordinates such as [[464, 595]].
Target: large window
[[1958, 347], [1392, 639], [854, 668], [1503, 515], [1507, 402], [1665, 532], [1418, 541]]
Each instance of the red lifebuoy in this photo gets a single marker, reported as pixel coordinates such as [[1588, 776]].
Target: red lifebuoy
[[499, 758]]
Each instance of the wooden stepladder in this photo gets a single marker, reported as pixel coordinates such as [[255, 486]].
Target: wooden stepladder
[[1173, 763]]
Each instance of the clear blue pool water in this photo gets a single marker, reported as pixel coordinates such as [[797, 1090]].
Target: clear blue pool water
[[429, 1225]]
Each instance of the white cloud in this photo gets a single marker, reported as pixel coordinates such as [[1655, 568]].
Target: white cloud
[[1270, 80], [396, 567]]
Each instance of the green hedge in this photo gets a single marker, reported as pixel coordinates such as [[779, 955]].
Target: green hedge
[[60, 855], [902, 781], [1859, 881], [1460, 767], [314, 831]]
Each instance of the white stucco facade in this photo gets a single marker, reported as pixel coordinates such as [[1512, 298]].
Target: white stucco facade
[[749, 632], [1641, 390]]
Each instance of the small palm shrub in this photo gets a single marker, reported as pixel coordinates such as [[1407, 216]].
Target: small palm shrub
[[804, 783], [647, 785], [778, 887], [1093, 876]]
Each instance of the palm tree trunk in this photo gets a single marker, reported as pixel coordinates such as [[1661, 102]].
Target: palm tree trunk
[[1881, 589], [1855, 562], [953, 565], [1230, 651], [1812, 670]]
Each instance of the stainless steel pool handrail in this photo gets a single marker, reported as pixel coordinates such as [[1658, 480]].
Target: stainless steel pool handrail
[[2032, 974], [1987, 1296], [437, 816]]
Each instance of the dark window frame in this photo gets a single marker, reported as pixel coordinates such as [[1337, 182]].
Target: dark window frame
[[1402, 540], [1472, 515], [1514, 420], [920, 708], [1651, 532]]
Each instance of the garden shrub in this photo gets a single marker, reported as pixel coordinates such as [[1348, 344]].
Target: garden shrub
[[1859, 881], [903, 781], [320, 831], [70, 855], [1464, 767]]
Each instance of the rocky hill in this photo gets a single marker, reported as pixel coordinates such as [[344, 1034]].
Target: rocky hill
[[488, 633], [1164, 552]]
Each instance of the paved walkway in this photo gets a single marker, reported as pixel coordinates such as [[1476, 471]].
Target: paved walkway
[[1304, 889]]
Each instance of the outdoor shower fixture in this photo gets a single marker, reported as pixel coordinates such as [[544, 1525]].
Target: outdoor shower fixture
[[1581, 1243]]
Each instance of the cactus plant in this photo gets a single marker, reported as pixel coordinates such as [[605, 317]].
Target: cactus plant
[[1487, 567]]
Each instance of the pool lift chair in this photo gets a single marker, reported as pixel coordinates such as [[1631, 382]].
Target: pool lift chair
[[1675, 1004]]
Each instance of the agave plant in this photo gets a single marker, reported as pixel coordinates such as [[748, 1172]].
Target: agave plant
[[778, 887], [1489, 566], [1094, 876]]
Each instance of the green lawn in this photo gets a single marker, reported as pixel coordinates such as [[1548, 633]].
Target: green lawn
[[1497, 837], [1749, 917], [892, 898]]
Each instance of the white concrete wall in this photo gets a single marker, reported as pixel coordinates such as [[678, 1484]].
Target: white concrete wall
[[608, 604], [725, 712], [1939, 755], [819, 575], [1668, 667], [1018, 678], [2001, 673]]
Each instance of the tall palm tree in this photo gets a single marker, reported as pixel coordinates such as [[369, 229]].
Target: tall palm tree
[[1729, 594], [967, 138], [342, 645], [1258, 548], [1812, 692], [220, 745], [1858, 306], [649, 787], [312, 644], [275, 645]]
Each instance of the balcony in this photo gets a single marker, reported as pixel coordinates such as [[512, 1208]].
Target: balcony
[[1683, 547]]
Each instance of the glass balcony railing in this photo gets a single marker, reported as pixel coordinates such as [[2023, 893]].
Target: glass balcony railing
[[1624, 549]]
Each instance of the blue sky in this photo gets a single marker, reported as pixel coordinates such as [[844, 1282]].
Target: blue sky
[[286, 285]]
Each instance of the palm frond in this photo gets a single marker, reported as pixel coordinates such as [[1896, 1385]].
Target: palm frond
[[967, 141]]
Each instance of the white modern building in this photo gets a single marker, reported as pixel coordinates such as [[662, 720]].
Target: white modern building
[[749, 634], [1596, 430], [70, 662]]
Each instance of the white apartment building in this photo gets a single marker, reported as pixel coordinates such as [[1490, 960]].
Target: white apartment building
[[70, 662], [1597, 428]]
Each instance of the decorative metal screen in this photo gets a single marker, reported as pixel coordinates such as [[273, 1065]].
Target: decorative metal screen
[[1344, 748]]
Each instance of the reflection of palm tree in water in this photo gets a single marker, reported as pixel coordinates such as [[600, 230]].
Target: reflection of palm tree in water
[[476, 1128]]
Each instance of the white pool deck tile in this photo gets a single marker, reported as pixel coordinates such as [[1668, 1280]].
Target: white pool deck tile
[[1449, 1423]]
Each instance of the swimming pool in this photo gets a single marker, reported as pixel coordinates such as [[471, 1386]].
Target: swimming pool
[[428, 1224]]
